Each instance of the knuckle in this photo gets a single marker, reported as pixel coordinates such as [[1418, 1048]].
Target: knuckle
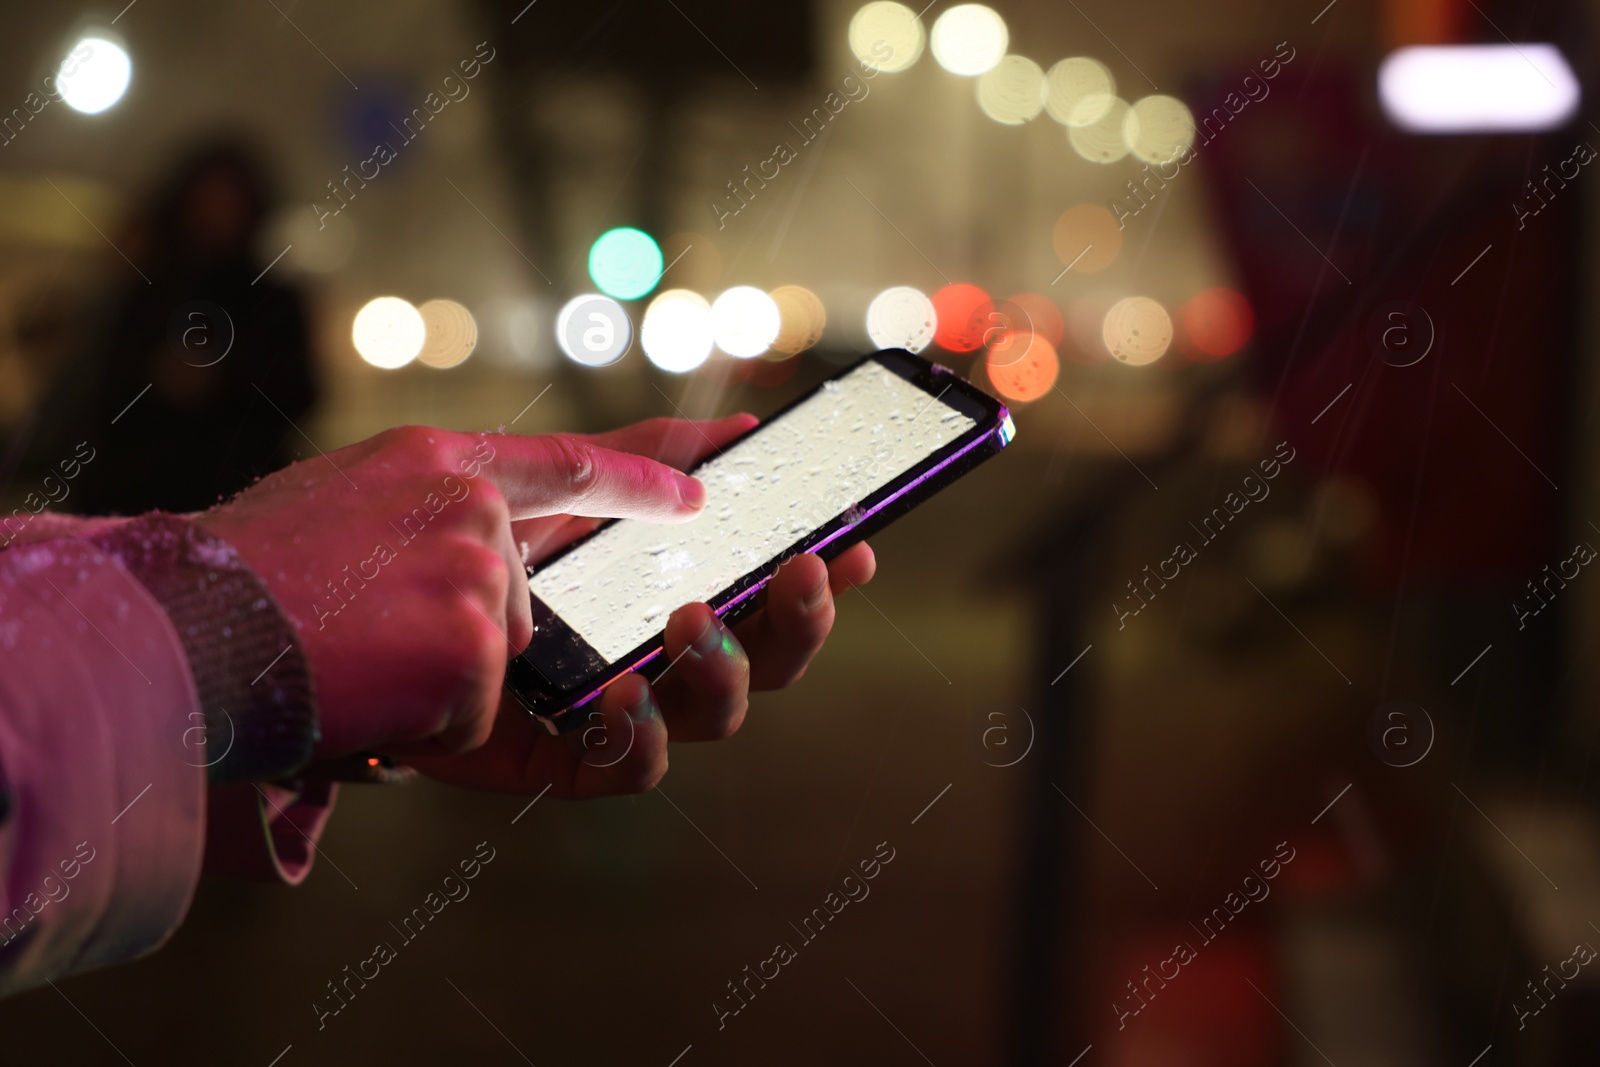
[[573, 461], [482, 564], [489, 497], [406, 438], [486, 511], [422, 450], [475, 569], [471, 634]]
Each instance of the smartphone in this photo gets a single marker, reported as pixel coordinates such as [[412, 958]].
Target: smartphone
[[830, 469]]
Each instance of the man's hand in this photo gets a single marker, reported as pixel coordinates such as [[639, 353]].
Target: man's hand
[[400, 561], [622, 746], [394, 559]]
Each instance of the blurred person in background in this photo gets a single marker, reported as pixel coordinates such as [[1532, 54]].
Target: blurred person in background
[[205, 333]]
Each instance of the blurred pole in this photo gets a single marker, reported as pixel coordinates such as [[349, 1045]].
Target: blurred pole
[[1044, 1017]]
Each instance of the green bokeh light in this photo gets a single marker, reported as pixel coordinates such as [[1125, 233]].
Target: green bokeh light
[[625, 263]]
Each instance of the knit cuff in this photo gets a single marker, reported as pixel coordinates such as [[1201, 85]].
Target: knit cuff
[[257, 705]]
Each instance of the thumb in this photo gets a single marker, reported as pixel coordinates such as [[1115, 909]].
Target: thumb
[[555, 474]]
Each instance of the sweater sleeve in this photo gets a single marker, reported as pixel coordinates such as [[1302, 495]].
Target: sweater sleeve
[[102, 819]]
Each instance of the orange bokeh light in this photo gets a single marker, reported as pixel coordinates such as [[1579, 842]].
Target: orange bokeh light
[[1216, 324], [966, 315], [1022, 366]]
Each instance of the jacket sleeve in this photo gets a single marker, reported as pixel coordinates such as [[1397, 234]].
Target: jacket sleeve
[[102, 820], [105, 814]]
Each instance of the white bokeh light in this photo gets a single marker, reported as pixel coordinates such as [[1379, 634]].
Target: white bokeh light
[[594, 330], [1102, 141], [745, 321], [1137, 330], [388, 332], [94, 75], [676, 334], [902, 317], [1158, 129], [1481, 88], [1013, 92], [887, 36], [969, 39], [1079, 91]]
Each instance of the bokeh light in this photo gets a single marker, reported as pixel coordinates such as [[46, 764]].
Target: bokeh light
[[1137, 330], [1102, 141], [1033, 312], [801, 319], [450, 333], [1013, 92], [887, 36], [1478, 88], [963, 314], [1079, 91], [1158, 129], [744, 322], [1217, 323], [98, 79], [1087, 238], [625, 263], [388, 332], [969, 39], [594, 330], [901, 317], [676, 334], [1022, 366]]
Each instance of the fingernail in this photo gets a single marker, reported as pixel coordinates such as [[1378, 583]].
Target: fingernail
[[644, 709], [708, 640], [692, 492], [815, 598]]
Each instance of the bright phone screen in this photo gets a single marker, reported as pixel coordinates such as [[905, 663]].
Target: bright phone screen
[[765, 494]]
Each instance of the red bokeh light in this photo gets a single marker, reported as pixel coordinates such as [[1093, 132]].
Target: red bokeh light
[[966, 315], [1216, 324]]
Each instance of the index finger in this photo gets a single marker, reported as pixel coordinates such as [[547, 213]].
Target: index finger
[[556, 474], [679, 442]]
